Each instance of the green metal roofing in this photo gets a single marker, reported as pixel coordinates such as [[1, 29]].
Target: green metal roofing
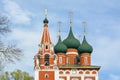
[[71, 41], [85, 47], [78, 66], [60, 47], [45, 20]]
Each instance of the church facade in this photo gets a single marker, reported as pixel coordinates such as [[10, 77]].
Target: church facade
[[67, 60]]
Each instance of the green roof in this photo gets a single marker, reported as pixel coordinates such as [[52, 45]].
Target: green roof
[[60, 47], [85, 47], [71, 41], [78, 66], [45, 20]]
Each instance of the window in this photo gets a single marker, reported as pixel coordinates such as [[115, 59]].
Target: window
[[75, 60], [86, 60], [46, 75], [46, 46], [60, 60], [88, 79], [68, 62], [46, 60], [75, 79], [38, 60], [54, 57], [61, 79]]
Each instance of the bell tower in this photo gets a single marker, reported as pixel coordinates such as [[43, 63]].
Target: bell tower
[[44, 60]]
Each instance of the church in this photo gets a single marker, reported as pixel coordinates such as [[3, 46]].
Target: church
[[67, 60]]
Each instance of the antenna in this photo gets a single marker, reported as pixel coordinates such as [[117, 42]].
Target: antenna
[[46, 11], [84, 25], [70, 13]]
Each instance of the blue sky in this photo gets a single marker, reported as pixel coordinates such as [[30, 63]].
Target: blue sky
[[102, 17]]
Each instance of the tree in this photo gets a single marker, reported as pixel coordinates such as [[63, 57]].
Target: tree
[[16, 75], [8, 53]]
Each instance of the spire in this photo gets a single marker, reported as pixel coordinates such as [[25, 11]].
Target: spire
[[59, 31], [85, 47], [60, 47], [46, 13], [45, 35], [70, 13], [71, 41], [45, 20], [84, 25]]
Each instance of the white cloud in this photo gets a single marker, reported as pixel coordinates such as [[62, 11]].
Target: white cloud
[[16, 13], [114, 77], [106, 52]]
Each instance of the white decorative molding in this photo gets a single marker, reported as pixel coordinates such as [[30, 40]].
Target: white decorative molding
[[72, 53]]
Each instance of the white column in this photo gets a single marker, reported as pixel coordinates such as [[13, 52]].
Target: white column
[[96, 77], [82, 77], [68, 77], [56, 75], [36, 75]]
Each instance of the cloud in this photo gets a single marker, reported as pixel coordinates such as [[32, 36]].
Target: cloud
[[114, 77], [106, 52], [16, 13], [27, 40]]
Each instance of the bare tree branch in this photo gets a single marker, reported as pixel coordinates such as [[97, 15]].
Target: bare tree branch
[[4, 25], [9, 53]]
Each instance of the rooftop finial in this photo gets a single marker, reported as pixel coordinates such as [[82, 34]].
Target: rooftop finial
[[59, 25], [46, 13], [84, 25], [45, 20], [70, 13]]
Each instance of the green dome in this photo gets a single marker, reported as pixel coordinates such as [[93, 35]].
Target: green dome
[[60, 47], [71, 41], [45, 20], [85, 47]]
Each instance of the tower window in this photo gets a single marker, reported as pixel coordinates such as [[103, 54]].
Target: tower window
[[75, 60], [86, 60], [46, 46], [60, 60], [54, 57], [46, 75], [46, 60]]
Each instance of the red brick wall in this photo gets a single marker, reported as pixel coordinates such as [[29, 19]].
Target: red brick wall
[[49, 73], [82, 59]]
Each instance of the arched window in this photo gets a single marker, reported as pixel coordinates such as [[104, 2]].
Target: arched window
[[46, 75], [46, 46], [38, 60], [75, 79], [46, 60], [75, 60], [88, 79], [86, 60]]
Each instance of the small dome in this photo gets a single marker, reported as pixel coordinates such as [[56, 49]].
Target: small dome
[[60, 47], [45, 20], [85, 47], [71, 41]]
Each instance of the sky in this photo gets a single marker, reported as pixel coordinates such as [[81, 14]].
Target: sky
[[102, 17]]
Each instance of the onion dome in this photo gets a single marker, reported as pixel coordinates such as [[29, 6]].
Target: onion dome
[[71, 41], [60, 47], [45, 20], [85, 47]]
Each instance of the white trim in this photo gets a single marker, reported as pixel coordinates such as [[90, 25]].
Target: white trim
[[36, 75], [72, 53]]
